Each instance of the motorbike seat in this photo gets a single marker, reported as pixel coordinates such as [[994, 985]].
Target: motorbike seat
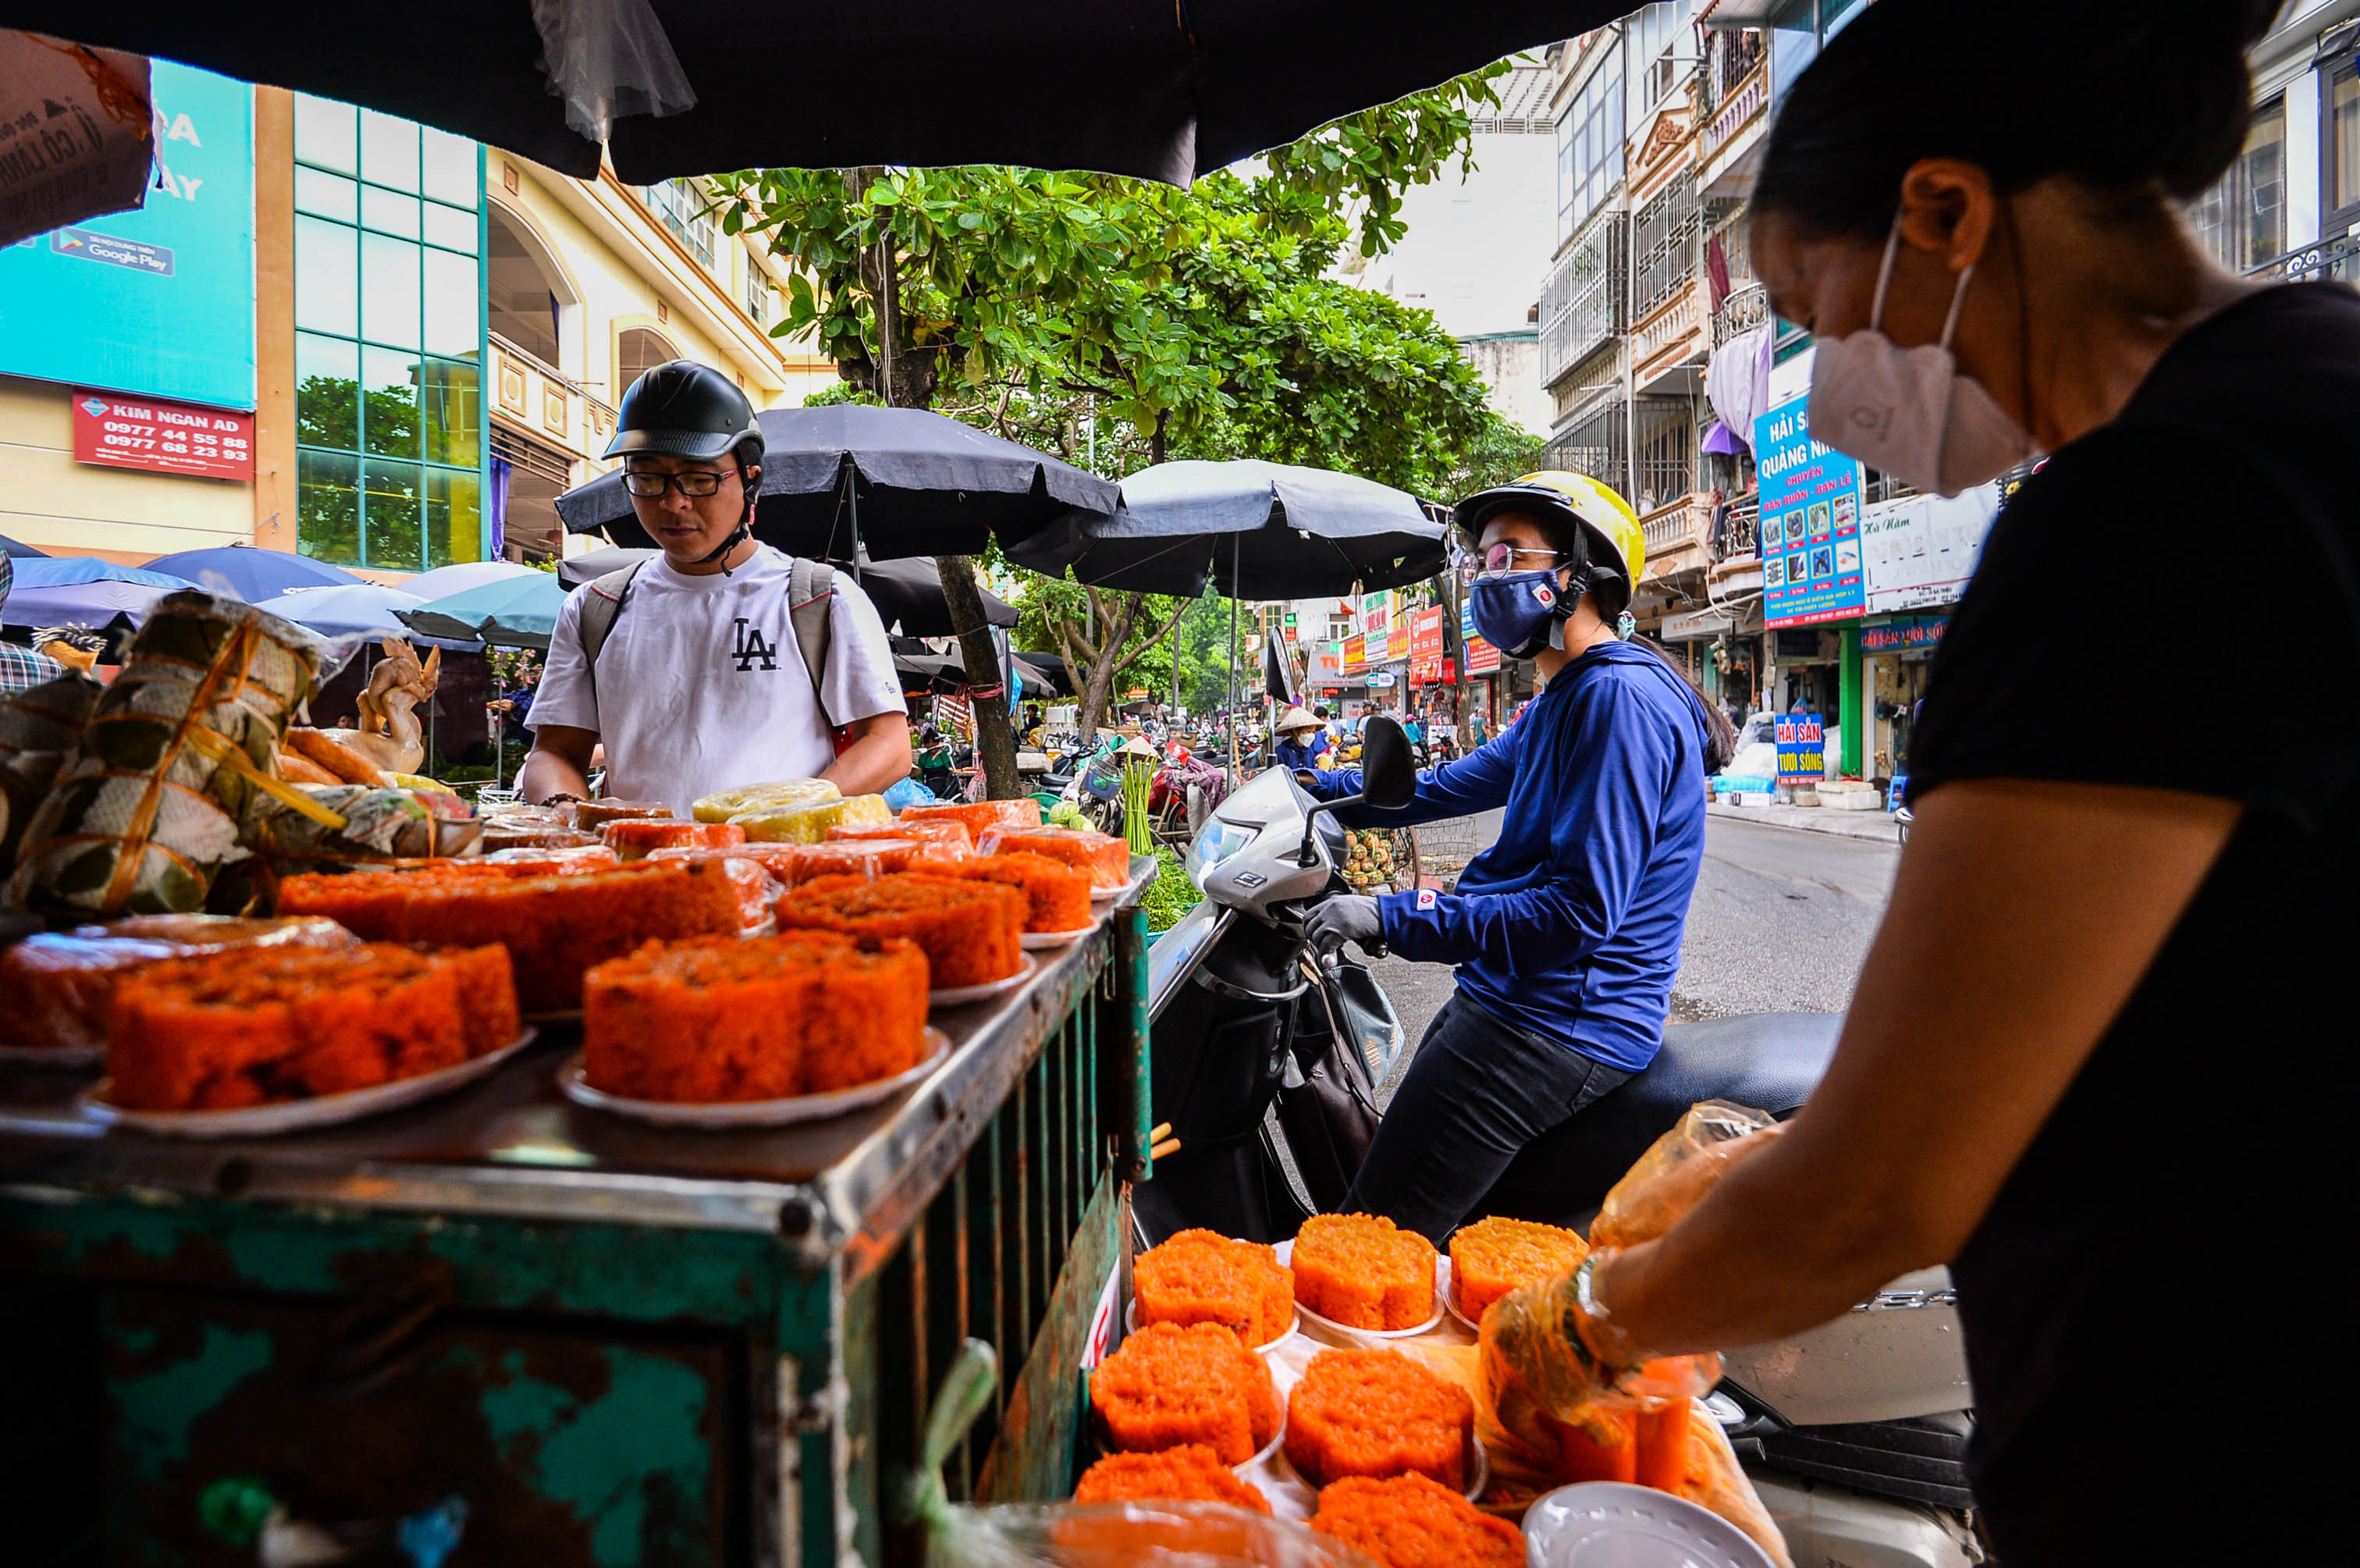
[[1769, 1061]]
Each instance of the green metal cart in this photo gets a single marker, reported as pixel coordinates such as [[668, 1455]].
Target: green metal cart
[[620, 1344]]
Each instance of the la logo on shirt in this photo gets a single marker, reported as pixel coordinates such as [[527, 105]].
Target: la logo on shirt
[[751, 645]]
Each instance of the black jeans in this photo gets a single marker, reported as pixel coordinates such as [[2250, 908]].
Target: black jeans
[[1475, 1094]]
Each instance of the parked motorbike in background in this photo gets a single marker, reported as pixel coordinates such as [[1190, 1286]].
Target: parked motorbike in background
[[1266, 1063]]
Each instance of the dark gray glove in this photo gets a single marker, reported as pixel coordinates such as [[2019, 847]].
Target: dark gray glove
[[1348, 917]]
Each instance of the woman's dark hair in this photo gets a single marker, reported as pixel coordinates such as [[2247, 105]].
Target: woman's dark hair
[[1610, 592], [2152, 96]]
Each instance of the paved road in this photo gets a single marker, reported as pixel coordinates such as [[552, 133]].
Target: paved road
[[1781, 921]]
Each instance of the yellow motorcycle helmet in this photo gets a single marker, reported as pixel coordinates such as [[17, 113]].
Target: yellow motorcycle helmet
[[1609, 518]]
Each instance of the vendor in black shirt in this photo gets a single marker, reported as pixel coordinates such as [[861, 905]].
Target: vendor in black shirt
[[2095, 1059]]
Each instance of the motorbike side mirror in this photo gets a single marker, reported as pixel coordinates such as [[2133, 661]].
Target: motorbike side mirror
[[1388, 774]]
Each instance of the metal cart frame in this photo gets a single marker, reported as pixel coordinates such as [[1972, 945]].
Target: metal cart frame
[[743, 1330]]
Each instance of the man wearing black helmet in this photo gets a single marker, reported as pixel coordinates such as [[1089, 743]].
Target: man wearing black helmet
[[722, 662]]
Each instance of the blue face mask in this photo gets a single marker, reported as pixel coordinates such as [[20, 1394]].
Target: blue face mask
[[1520, 613]]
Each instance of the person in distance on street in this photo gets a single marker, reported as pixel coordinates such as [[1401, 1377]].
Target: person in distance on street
[[2084, 1060], [723, 661], [1567, 931]]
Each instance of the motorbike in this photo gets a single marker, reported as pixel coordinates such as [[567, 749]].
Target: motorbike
[[1267, 1060]]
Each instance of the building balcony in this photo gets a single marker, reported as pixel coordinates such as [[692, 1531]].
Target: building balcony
[[1747, 307], [1679, 538], [532, 396], [1671, 340], [1741, 108], [2336, 259]]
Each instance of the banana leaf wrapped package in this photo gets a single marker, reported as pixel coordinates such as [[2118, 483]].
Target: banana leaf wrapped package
[[147, 810], [39, 729]]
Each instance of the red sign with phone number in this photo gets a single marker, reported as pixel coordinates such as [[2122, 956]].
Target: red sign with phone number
[[116, 432]]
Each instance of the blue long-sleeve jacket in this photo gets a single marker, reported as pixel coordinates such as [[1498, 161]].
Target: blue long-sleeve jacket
[[1569, 927], [1294, 754]]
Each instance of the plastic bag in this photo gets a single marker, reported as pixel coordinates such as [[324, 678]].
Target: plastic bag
[[1119, 1535], [808, 822], [908, 792], [1541, 1357], [56, 989], [607, 59], [724, 804], [1678, 1169]]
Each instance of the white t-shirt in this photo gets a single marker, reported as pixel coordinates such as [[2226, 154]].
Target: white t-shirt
[[702, 687]]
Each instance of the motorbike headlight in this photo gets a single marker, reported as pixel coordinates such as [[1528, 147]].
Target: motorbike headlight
[[1217, 843]]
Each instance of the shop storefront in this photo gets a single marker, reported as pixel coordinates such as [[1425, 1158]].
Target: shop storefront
[[1897, 653], [1814, 589], [1918, 555]]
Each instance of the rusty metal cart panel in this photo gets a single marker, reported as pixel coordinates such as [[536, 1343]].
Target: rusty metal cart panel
[[620, 1343]]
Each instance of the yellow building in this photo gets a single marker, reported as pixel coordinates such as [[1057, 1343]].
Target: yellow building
[[420, 341]]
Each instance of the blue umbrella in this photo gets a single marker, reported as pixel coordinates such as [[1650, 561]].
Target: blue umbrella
[[16, 550], [520, 613], [461, 576], [249, 572], [365, 610], [62, 589]]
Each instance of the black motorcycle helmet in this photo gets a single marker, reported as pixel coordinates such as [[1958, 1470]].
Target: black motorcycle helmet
[[681, 409]]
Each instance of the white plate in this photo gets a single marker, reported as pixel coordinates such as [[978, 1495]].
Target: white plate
[[1285, 1251], [1444, 1283], [1294, 1327], [295, 1115], [1276, 1439], [1036, 941], [749, 1112], [53, 1055], [1612, 1524], [1106, 894], [958, 996]]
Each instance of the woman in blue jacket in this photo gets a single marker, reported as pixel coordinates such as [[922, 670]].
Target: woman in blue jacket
[[1567, 931]]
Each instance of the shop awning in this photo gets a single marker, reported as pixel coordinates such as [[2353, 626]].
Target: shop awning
[[1696, 626]]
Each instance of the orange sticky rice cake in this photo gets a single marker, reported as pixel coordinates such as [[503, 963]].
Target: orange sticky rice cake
[[634, 838], [1057, 896], [1171, 1385], [946, 831], [1493, 1256], [1377, 1412], [254, 1024], [56, 990], [755, 886], [1188, 1474], [1202, 1276], [970, 929], [1102, 857], [1363, 1272], [1407, 1522], [719, 1018], [553, 863], [553, 927], [978, 816], [592, 815]]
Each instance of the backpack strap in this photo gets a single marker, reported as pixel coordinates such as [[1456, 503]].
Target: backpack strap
[[599, 612], [811, 590]]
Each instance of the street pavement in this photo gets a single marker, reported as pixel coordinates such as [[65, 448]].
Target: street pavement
[[1780, 923]]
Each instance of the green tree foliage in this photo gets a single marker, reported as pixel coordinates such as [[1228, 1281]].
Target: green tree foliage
[[1203, 321]]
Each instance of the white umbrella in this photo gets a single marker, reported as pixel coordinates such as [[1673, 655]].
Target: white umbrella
[[461, 576], [360, 608]]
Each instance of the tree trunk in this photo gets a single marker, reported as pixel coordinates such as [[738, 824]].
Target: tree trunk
[[1100, 681], [904, 378], [995, 737]]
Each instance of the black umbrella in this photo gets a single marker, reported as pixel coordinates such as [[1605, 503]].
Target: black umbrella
[[1049, 672], [574, 571], [903, 482], [1254, 529], [1162, 89], [907, 594]]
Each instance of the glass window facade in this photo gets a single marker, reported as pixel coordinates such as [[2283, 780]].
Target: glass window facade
[[2242, 220], [680, 205], [1589, 148], [388, 343]]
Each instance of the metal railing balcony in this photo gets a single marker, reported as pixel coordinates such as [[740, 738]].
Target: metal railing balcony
[[1740, 535], [2337, 259], [1747, 307], [1738, 110]]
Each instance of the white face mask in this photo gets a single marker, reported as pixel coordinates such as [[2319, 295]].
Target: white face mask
[[1909, 412]]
